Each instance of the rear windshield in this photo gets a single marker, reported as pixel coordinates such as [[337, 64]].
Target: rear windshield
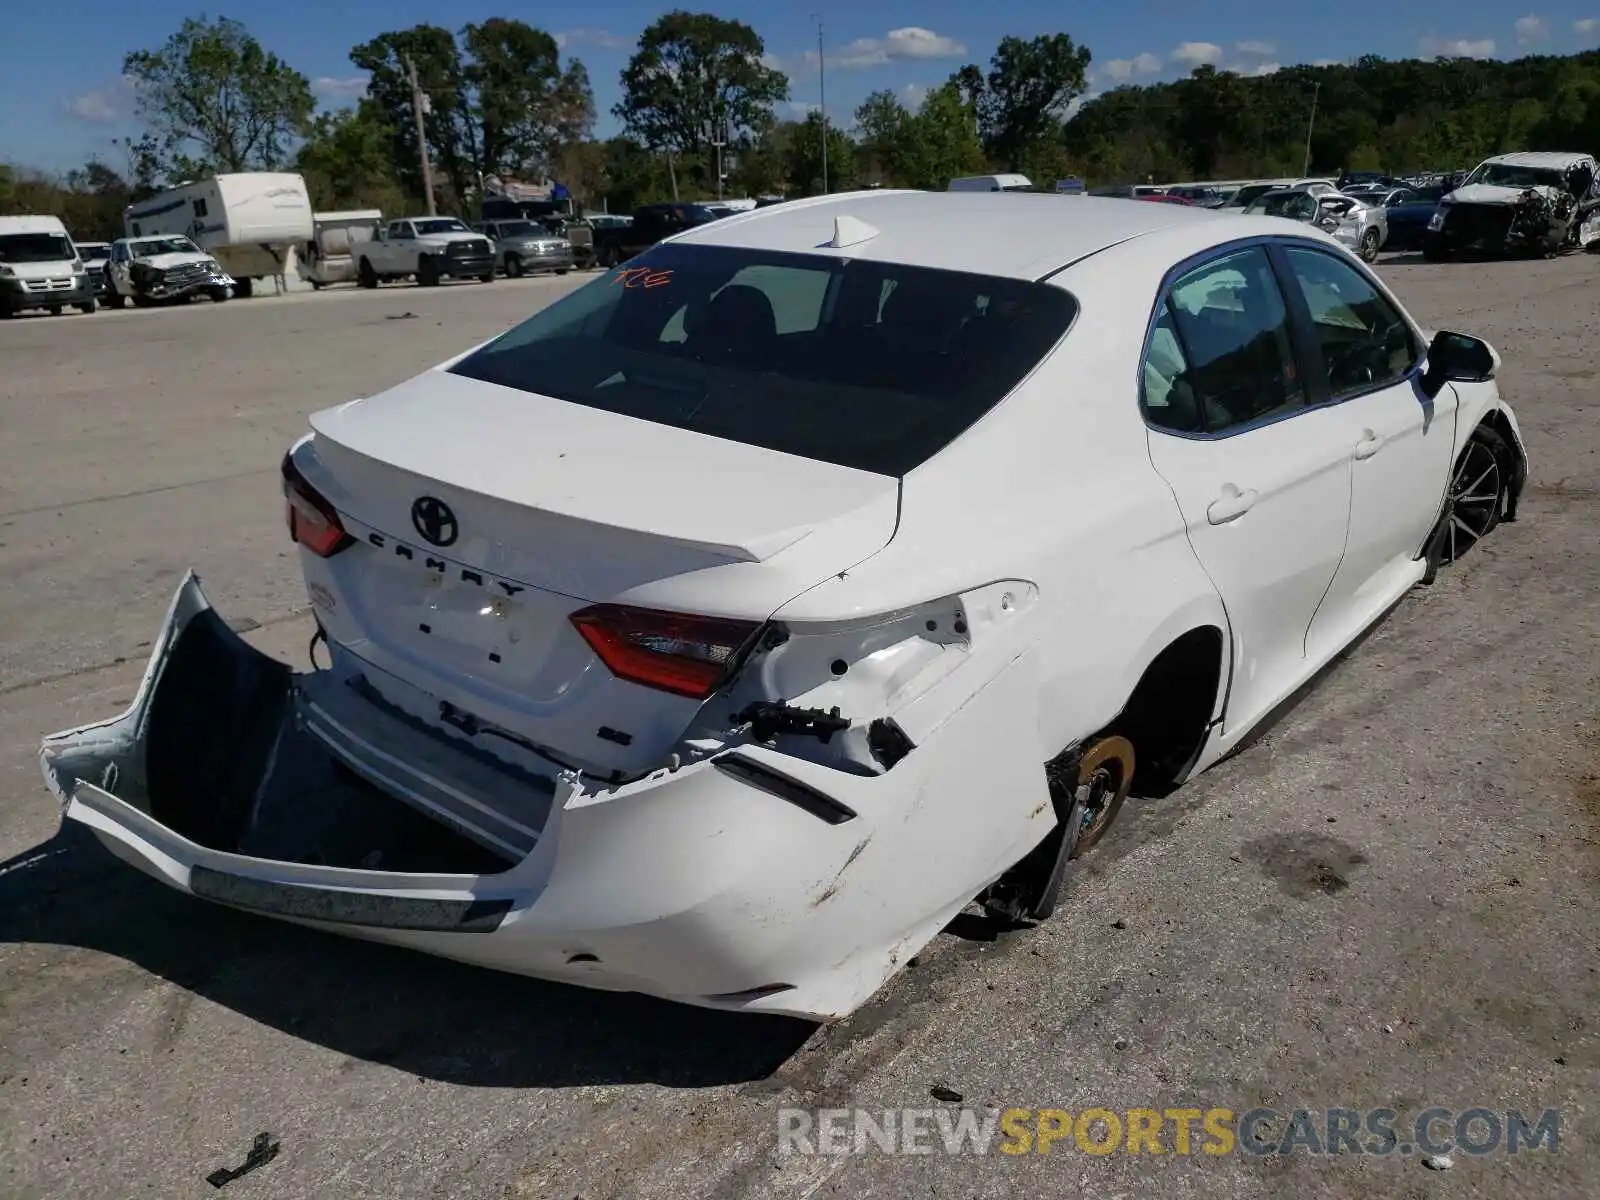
[[869, 365], [34, 248]]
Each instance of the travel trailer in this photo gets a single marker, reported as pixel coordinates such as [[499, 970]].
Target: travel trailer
[[252, 223], [327, 257]]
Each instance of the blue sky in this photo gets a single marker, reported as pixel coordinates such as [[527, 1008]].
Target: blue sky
[[62, 98]]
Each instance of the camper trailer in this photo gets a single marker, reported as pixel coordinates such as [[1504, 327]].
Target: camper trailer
[[252, 223], [327, 257]]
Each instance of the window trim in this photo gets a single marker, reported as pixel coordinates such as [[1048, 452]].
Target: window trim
[[1302, 338]]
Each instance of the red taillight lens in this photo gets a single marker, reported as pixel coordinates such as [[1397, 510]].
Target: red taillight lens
[[675, 652], [312, 520]]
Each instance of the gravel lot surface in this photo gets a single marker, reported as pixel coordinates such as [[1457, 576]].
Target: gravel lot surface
[[1390, 899]]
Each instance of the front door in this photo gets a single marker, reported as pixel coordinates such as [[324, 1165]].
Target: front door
[[1399, 441], [1262, 480]]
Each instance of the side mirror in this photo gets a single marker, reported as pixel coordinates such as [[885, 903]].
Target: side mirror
[[1458, 358]]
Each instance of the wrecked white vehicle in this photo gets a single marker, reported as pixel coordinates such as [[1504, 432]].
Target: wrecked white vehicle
[[725, 629], [166, 269], [1527, 203]]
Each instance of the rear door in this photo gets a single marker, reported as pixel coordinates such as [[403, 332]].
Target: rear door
[[1262, 480], [1398, 441]]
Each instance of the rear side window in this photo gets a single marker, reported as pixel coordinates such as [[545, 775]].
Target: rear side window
[[1220, 355], [871, 365]]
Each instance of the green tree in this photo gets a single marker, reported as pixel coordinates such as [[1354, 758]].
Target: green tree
[[213, 99], [443, 77], [525, 103], [1026, 94], [693, 72], [347, 160], [803, 157]]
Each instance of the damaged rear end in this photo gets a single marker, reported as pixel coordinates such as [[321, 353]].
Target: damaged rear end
[[562, 726]]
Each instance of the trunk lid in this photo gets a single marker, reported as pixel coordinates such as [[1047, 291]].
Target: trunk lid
[[485, 516]]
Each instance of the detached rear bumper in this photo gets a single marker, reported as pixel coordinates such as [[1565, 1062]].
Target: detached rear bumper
[[748, 881]]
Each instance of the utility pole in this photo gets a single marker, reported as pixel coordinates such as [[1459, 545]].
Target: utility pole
[[717, 135], [1305, 168], [419, 109], [822, 89]]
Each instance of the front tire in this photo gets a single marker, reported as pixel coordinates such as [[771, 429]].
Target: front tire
[[1478, 496], [489, 278], [88, 308], [1369, 246], [513, 266], [116, 299], [221, 295]]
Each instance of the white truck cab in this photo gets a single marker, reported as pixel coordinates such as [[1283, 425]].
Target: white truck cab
[[40, 268], [429, 248]]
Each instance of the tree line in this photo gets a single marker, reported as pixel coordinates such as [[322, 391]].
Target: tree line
[[504, 101]]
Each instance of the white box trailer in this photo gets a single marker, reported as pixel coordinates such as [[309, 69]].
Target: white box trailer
[[327, 257], [252, 222]]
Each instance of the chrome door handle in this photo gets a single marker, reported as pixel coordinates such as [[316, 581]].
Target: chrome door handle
[[1231, 505], [1369, 444]]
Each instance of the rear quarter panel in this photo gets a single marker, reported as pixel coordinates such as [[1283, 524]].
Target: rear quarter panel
[[1055, 486]]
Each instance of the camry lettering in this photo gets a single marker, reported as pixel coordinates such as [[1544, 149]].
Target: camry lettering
[[467, 575]]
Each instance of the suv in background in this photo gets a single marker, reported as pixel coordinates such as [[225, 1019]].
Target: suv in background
[[524, 247]]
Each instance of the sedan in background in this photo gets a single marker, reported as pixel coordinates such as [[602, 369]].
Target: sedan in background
[[728, 627], [1363, 228]]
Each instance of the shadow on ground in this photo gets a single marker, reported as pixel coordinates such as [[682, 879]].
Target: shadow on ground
[[426, 1016]]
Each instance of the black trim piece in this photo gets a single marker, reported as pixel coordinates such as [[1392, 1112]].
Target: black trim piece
[[348, 908], [775, 783]]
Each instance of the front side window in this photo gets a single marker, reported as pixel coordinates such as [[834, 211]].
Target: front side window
[[1365, 341], [441, 225], [871, 365], [1220, 355]]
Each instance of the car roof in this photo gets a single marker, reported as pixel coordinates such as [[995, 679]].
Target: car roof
[[1022, 235], [1547, 159]]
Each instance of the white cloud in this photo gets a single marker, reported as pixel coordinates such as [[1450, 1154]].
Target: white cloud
[[912, 42], [592, 37], [1261, 49], [1120, 70], [799, 110], [104, 105], [1266, 68], [1457, 47], [333, 90], [1588, 27], [1531, 29], [1326, 62], [913, 94], [1197, 54]]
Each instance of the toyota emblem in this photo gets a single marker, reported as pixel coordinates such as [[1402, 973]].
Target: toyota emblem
[[433, 519]]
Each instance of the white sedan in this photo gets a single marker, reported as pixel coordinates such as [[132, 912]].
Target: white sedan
[[729, 626]]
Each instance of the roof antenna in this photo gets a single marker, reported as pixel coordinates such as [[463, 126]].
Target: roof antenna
[[850, 231]]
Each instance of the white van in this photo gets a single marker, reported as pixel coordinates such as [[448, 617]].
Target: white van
[[40, 268], [991, 183], [251, 222]]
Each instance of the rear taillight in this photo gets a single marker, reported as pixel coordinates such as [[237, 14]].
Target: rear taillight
[[674, 652], [312, 520]]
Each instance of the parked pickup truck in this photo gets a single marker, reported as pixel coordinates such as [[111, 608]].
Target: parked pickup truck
[[649, 225], [428, 248]]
